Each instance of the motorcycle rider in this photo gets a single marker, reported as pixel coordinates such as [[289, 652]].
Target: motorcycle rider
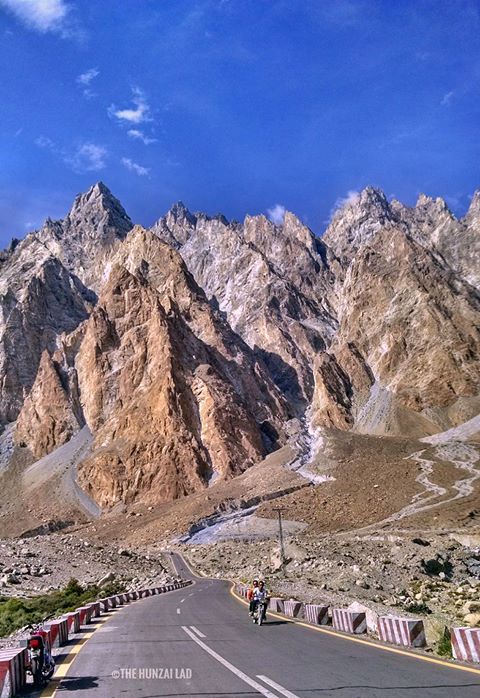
[[260, 594]]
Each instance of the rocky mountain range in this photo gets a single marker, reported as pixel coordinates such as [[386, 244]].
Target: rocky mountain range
[[189, 350]]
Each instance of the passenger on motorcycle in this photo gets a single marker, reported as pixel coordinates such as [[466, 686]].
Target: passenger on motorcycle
[[250, 595]]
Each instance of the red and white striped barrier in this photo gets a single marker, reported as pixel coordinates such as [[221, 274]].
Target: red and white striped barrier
[[409, 632], [241, 590], [95, 606], [349, 621], [276, 605], [85, 614], [466, 644], [105, 605], [316, 614], [73, 622], [12, 671], [58, 631], [293, 608]]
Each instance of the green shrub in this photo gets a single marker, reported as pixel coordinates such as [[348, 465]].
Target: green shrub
[[17, 612], [444, 646]]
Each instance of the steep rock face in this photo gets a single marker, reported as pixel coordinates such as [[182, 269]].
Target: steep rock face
[[173, 397], [275, 285], [46, 283], [415, 326], [39, 299], [47, 419]]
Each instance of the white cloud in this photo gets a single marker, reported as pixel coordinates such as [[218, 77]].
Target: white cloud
[[87, 77], [139, 115], [41, 15], [276, 214], [134, 167], [84, 79], [139, 135], [87, 157], [342, 201], [447, 98], [44, 142]]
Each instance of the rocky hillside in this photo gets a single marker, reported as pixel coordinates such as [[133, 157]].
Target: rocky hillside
[[190, 350]]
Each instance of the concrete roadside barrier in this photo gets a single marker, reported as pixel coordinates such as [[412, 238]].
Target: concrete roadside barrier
[[349, 621], [73, 622], [316, 614], [242, 590], [293, 608], [409, 632], [95, 606], [58, 630], [105, 605], [466, 644], [276, 605], [85, 614], [12, 671]]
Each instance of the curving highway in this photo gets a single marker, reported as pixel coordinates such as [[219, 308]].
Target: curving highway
[[198, 641]]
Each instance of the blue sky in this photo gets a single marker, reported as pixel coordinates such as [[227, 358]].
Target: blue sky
[[238, 106]]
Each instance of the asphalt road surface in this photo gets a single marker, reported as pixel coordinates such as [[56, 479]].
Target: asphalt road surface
[[199, 641]]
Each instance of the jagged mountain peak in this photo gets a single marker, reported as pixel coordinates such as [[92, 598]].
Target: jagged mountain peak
[[473, 213], [361, 216], [96, 204], [372, 195], [437, 204], [179, 212]]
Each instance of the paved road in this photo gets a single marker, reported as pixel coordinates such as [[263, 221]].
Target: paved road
[[198, 641]]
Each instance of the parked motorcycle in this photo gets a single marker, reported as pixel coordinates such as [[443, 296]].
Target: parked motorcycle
[[40, 663]]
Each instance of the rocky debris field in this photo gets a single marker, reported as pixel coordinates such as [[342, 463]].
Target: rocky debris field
[[38, 565], [436, 576]]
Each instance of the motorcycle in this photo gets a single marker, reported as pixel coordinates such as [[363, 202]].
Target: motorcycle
[[260, 612], [40, 663]]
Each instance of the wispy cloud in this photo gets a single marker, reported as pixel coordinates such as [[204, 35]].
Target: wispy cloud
[[140, 135], [342, 201], [85, 157], [45, 142], [447, 98], [42, 15], [85, 79], [135, 167], [276, 213], [137, 115]]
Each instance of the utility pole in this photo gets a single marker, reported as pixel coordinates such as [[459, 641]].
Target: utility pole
[[280, 535]]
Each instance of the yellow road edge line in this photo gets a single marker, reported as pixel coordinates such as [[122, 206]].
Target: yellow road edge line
[[362, 641], [63, 667]]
